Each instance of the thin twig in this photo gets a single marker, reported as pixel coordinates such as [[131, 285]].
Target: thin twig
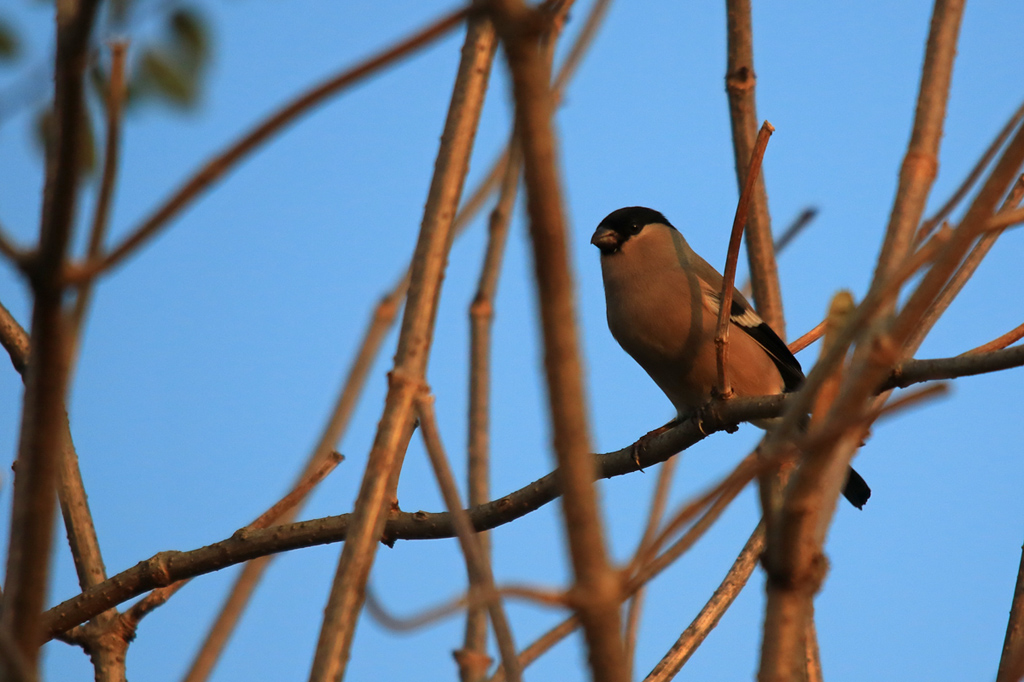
[[965, 271], [381, 321], [807, 339], [695, 634], [478, 566], [394, 430], [117, 88], [740, 82], [929, 225], [729, 276], [542, 645], [481, 315], [14, 340], [659, 500], [159, 597], [226, 160], [713, 503], [1010, 337]]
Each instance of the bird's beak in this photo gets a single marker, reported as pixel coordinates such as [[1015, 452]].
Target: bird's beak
[[606, 239]]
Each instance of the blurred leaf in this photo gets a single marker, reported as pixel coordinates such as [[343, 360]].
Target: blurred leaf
[[190, 35], [87, 152], [167, 78], [10, 45], [119, 10]]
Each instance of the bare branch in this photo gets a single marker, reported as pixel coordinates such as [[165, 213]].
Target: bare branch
[[740, 82], [695, 634], [394, 430], [478, 566], [1011, 662], [219, 165], [1010, 337], [481, 314], [40, 443], [111, 158], [167, 567], [928, 226], [921, 163], [729, 276], [658, 503], [596, 592], [967, 267]]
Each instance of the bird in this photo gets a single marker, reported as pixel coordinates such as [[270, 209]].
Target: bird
[[662, 302]]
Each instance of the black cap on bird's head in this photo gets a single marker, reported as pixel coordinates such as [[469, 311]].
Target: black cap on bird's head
[[620, 225]]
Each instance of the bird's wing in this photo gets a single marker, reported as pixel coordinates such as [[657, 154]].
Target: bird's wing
[[743, 316]]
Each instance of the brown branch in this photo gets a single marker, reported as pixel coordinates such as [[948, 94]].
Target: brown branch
[[117, 89], [928, 226], [740, 82], [808, 338], [713, 503], [18, 256], [695, 634], [168, 567], [219, 165], [14, 340], [481, 316], [790, 234], [381, 320], [1010, 337], [102, 638], [729, 276], [285, 505], [16, 667], [1011, 661], [478, 565], [40, 442], [658, 503], [916, 371], [395, 427], [596, 590], [921, 163], [966, 270], [542, 645], [972, 225]]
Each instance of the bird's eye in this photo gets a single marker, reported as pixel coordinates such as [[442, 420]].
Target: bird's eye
[[635, 228]]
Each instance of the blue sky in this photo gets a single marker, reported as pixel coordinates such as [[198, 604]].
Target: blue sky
[[211, 358]]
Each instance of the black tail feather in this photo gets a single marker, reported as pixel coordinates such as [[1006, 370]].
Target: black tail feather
[[856, 489]]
